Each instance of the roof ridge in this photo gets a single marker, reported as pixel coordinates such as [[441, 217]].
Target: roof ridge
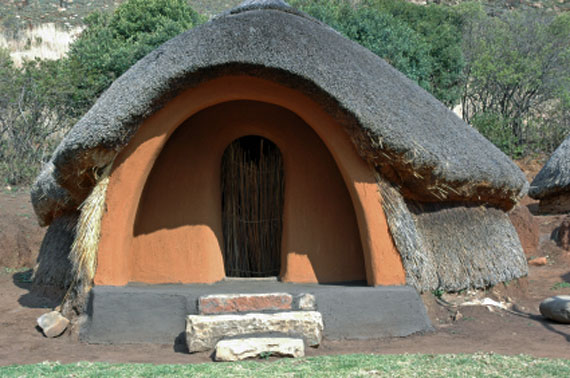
[[250, 5]]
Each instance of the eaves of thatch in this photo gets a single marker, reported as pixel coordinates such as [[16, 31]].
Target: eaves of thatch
[[410, 137], [554, 178]]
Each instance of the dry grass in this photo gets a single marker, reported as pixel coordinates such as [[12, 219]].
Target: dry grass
[[83, 253]]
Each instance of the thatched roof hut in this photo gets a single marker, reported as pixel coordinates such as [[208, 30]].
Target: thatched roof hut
[[382, 182], [552, 184]]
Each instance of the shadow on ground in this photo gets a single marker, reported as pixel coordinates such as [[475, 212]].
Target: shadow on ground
[[23, 280]]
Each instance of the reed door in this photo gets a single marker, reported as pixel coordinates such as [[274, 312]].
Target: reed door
[[252, 186]]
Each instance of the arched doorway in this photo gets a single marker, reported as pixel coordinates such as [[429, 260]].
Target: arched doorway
[[252, 188], [163, 220]]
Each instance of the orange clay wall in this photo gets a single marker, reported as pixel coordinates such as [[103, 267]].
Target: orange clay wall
[[163, 218], [179, 222]]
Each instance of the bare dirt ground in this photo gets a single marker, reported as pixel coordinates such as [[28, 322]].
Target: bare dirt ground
[[475, 328]]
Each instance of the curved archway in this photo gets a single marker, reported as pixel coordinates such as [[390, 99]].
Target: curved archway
[[178, 234], [116, 262]]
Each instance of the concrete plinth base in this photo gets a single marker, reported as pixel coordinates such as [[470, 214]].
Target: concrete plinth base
[[157, 313]]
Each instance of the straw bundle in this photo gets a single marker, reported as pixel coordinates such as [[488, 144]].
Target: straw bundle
[[452, 246], [83, 254], [52, 273], [252, 204]]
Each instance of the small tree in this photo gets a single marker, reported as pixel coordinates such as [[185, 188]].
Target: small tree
[[31, 122], [517, 72]]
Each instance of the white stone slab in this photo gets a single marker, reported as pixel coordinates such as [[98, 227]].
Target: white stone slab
[[204, 331], [241, 349]]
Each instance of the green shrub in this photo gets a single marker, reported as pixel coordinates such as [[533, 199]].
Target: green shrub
[[32, 119], [441, 27], [379, 32], [113, 42], [423, 42], [497, 129], [41, 100], [518, 70]]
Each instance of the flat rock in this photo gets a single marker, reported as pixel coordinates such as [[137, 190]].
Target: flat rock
[[230, 303], [241, 349], [556, 308], [53, 324], [204, 331]]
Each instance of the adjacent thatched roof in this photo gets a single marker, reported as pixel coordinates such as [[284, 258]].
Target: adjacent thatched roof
[[413, 140], [452, 246], [554, 177]]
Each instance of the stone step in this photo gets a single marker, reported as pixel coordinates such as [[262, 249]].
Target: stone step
[[252, 347], [258, 302], [204, 331]]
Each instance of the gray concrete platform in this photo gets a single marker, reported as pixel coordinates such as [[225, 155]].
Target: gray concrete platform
[[139, 313]]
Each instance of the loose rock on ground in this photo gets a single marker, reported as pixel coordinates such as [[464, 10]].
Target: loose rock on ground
[[53, 324], [556, 308]]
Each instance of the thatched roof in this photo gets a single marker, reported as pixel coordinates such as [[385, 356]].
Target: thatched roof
[[452, 246], [554, 177], [413, 139]]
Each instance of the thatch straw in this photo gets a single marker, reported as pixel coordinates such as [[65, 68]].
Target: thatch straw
[[252, 204], [452, 246], [554, 178], [416, 258], [53, 271], [471, 246], [83, 254]]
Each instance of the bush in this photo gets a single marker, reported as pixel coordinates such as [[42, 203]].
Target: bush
[[518, 70], [440, 26], [41, 100], [379, 32], [423, 42], [495, 128], [112, 43], [31, 119]]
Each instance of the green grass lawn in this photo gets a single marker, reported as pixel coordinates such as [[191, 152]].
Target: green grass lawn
[[420, 365]]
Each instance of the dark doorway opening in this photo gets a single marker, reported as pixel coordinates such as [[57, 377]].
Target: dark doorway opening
[[252, 186]]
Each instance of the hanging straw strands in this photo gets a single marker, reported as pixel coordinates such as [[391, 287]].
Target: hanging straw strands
[[83, 254], [252, 205]]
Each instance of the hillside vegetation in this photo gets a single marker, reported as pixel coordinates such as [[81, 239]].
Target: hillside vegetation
[[507, 66]]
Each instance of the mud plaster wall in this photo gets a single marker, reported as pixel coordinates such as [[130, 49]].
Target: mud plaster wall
[[147, 230], [178, 225]]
